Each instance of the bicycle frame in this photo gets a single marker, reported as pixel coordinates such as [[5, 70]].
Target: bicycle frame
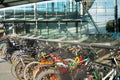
[[113, 73]]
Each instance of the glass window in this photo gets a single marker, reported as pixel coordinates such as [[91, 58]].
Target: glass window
[[109, 12], [110, 3], [1, 12], [9, 13], [19, 12], [61, 6], [41, 7], [29, 11], [67, 6], [56, 6], [49, 7]]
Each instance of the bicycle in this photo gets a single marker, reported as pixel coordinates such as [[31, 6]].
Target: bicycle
[[113, 74], [60, 72], [66, 69], [35, 67], [102, 71]]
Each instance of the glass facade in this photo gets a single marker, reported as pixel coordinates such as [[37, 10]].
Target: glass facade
[[103, 11], [59, 18]]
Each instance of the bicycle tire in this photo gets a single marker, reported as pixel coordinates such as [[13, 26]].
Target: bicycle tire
[[19, 69], [13, 65], [15, 54], [26, 72], [12, 69], [69, 61], [48, 72]]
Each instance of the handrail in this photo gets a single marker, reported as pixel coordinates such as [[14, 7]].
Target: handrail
[[76, 42]]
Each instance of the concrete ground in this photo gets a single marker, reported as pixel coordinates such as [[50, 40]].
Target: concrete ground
[[5, 73]]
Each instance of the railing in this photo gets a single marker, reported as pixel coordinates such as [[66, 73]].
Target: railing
[[61, 41]]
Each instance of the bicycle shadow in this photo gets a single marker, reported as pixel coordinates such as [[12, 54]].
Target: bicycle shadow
[[2, 60]]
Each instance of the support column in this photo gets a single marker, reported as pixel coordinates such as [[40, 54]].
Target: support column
[[81, 8], [46, 10], [14, 12], [4, 14], [65, 13], [47, 28], [24, 28], [71, 5], [81, 14], [52, 6], [76, 23], [24, 13], [35, 17], [59, 27], [66, 25], [116, 16], [13, 30]]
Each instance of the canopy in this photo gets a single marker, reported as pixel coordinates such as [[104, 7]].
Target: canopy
[[10, 3]]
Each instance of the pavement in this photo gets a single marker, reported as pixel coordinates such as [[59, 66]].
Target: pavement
[[5, 73]]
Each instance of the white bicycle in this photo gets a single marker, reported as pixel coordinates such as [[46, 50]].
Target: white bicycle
[[113, 74]]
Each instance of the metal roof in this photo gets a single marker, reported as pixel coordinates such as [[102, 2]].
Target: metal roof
[[9, 3]]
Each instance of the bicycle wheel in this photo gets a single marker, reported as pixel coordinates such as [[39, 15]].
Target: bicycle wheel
[[30, 70], [19, 69], [69, 61], [16, 54], [14, 63], [49, 74]]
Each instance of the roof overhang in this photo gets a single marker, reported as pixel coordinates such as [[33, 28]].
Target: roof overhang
[[10, 3]]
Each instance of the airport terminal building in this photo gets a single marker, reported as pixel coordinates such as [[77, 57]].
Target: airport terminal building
[[59, 18]]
